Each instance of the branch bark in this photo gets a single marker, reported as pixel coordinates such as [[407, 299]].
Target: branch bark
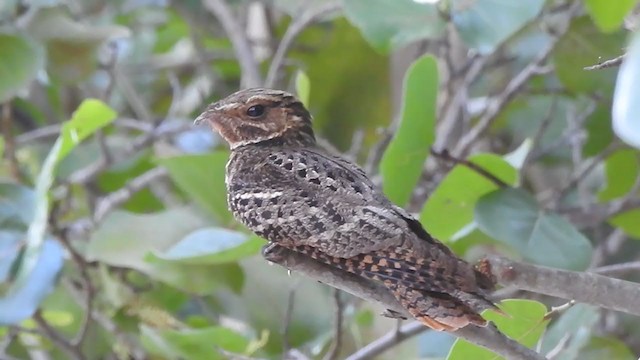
[[488, 337], [584, 287]]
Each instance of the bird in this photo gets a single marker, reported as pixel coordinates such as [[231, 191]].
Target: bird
[[288, 190]]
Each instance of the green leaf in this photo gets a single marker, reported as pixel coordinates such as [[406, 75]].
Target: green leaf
[[202, 178], [303, 87], [91, 115], [485, 24], [525, 324], [403, 160], [584, 45], [20, 62], [600, 348], [391, 24], [628, 222], [576, 323], [84, 122], [450, 207], [513, 217], [212, 246], [626, 109], [609, 15], [621, 171], [192, 343], [598, 127], [127, 240]]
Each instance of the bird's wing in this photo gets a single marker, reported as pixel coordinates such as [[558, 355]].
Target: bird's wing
[[319, 200]]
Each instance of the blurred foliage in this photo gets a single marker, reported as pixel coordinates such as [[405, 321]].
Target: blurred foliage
[[115, 238]]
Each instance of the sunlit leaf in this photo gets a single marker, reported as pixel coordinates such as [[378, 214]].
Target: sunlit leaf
[[450, 207], [91, 115], [212, 246], [628, 222], [202, 178], [485, 24], [525, 324], [390, 24], [403, 160], [609, 15], [626, 108], [21, 60], [513, 217]]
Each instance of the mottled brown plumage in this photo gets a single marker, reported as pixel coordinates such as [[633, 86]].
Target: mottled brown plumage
[[289, 191]]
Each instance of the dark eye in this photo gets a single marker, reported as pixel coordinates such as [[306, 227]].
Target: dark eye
[[255, 111]]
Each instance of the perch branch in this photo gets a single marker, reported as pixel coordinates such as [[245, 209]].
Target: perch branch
[[487, 337], [582, 287]]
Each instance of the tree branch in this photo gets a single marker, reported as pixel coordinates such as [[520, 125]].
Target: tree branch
[[241, 47], [487, 337], [293, 31], [582, 287]]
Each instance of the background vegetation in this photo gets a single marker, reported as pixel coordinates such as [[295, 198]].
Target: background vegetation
[[115, 240]]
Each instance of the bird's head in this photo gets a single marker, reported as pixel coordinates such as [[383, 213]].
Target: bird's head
[[258, 115]]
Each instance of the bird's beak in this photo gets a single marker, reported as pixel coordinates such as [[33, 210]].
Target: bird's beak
[[201, 118]]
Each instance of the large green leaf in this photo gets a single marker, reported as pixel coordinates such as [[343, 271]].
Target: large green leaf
[[91, 115], [584, 45], [212, 246], [626, 109], [513, 217], [202, 178], [20, 62], [390, 24], [194, 344], [403, 160], [628, 222], [128, 240], [450, 207], [485, 24], [525, 324], [609, 15]]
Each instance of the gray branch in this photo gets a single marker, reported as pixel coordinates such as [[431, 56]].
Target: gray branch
[[487, 337]]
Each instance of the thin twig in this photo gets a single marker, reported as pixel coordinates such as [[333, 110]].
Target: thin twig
[[387, 341], [72, 351], [334, 351], [445, 155], [511, 89], [288, 316], [241, 47], [122, 195], [296, 27], [617, 269], [607, 63]]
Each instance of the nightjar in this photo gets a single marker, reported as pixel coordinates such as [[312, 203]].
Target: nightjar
[[291, 192]]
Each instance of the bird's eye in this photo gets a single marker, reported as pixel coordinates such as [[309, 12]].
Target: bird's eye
[[255, 111]]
